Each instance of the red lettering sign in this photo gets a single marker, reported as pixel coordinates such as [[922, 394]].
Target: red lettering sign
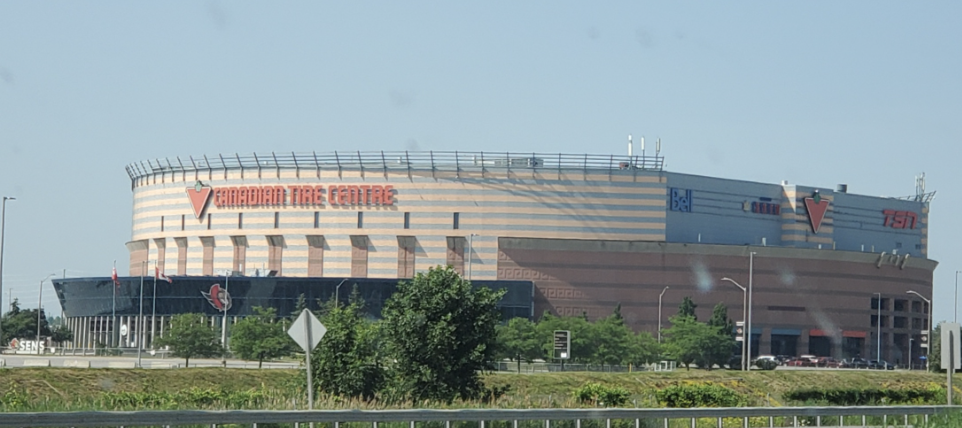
[[900, 219], [278, 196]]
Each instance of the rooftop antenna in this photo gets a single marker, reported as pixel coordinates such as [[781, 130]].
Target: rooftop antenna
[[642, 146], [919, 186], [657, 147], [629, 145]]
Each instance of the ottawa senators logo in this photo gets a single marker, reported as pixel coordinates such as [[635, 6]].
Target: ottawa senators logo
[[218, 297]]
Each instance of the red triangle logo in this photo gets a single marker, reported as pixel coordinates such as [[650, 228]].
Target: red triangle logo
[[198, 196], [816, 211]]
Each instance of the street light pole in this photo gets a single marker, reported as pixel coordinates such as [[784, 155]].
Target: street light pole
[[337, 290], [878, 334], [140, 319], [744, 314], [223, 326], [928, 354], [39, 311], [3, 219], [748, 330], [659, 312]]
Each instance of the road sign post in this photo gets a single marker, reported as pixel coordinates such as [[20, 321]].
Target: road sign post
[[307, 332], [562, 344]]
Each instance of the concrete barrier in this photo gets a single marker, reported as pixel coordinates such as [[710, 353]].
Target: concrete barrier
[[36, 362], [121, 364], [80, 364]]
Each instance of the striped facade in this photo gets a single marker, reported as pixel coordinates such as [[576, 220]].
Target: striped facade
[[574, 206], [585, 232]]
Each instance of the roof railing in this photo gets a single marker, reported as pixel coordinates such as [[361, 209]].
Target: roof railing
[[433, 161]]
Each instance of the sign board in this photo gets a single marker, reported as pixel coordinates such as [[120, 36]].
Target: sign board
[[562, 344], [299, 331], [123, 329], [307, 331], [739, 331], [924, 340], [951, 329]]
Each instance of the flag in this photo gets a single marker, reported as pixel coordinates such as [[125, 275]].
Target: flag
[[160, 275], [113, 276]]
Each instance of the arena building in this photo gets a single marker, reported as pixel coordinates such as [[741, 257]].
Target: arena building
[[831, 273]]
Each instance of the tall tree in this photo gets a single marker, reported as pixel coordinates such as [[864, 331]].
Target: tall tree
[[442, 333], [687, 308], [519, 341], [689, 341], [260, 337], [22, 324], [190, 336], [346, 362], [725, 346], [613, 341]]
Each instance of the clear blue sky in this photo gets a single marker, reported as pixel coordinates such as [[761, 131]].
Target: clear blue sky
[[867, 93]]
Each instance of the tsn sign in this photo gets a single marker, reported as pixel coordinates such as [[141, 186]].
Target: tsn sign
[[291, 195]]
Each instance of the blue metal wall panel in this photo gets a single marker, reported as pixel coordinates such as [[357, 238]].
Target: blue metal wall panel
[[718, 212]]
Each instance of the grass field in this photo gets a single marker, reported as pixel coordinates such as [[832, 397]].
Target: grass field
[[63, 389]]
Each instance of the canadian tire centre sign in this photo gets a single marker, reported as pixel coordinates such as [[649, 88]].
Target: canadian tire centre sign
[[285, 196]]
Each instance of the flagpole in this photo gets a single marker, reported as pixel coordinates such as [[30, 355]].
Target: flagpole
[[113, 322], [153, 311], [140, 319]]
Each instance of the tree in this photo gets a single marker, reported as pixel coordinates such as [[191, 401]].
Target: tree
[[22, 324], [934, 358], [299, 306], [582, 341], [190, 336], [689, 341], [726, 329], [519, 340], [442, 333], [61, 334], [687, 308], [346, 362], [260, 337], [613, 341]]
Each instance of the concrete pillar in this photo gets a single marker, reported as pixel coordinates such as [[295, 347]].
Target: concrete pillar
[[803, 343], [765, 342]]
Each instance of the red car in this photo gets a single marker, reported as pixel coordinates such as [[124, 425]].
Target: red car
[[828, 362]]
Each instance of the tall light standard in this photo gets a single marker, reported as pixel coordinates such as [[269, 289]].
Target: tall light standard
[[878, 334], [470, 253], [751, 275], [659, 312], [3, 219], [223, 326], [337, 290], [140, 319], [928, 302], [744, 315], [39, 311]]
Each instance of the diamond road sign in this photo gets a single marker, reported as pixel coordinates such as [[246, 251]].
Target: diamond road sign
[[307, 331]]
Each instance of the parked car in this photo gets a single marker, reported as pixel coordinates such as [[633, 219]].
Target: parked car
[[799, 362], [880, 365], [827, 362], [855, 363], [766, 362]]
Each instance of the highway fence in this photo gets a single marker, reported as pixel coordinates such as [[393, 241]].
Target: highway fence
[[864, 416]]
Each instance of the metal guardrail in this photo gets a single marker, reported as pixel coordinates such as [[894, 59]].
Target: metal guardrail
[[394, 161], [825, 416]]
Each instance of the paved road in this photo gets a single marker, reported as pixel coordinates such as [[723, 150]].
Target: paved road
[[148, 362]]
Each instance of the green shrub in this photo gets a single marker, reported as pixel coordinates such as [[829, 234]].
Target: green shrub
[[600, 395], [706, 394], [867, 396]]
